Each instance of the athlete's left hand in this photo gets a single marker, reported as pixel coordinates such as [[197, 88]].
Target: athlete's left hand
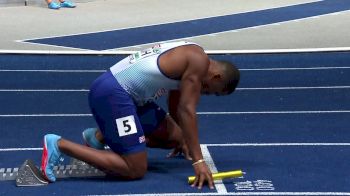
[[181, 149]]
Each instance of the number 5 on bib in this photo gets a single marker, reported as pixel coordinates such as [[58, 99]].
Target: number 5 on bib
[[126, 126]]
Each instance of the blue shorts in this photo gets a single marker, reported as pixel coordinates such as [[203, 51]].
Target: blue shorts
[[123, 124]]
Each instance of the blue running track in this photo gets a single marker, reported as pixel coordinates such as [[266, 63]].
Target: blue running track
[[291, 139]]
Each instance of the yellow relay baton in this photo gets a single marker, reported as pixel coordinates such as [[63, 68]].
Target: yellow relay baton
[[220, 175]]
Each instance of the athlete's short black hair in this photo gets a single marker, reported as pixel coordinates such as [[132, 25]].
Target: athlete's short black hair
[[231, 76]]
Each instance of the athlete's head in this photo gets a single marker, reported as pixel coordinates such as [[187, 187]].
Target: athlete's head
[[222, 78]]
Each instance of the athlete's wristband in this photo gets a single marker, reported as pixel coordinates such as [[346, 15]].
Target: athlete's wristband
[[197, 162]]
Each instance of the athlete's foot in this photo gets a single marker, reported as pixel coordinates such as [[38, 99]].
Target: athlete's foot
[[53, 6], [67, 4], [51, 156], [89, 136]]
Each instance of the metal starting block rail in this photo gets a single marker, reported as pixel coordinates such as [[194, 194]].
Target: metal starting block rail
[[29, 174]]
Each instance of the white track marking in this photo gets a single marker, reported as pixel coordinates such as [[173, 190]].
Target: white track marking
[[199, 113], [243, 69], [241, 193], [220, 145], [44, 90], [220, 187], [274, 112], [210, 52], [295, 88], [239, 89], [293, 68], [45, 115], [276, 144], [19, 149], [58, 71]]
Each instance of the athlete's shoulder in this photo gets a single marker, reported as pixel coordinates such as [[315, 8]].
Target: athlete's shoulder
[[180, 44], [197, 54], [197, 60]]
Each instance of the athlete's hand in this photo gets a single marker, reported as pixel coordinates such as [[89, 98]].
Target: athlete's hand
[[203, 174], [179, 150]]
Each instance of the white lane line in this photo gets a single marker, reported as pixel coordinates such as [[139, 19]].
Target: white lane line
[[216, 145], [53, 70], [240, 89], [219, 185], [114, 52], [276, 144], [243, 69], [239, 193], [315, 17], [45, 115], [295, 88], [275, 112], [44, 90], [335, 14], [199, 113], [292, 68], [19, 149]]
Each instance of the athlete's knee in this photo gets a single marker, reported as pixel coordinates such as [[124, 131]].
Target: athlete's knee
[[137, 165], [130, 172], [138, 171]]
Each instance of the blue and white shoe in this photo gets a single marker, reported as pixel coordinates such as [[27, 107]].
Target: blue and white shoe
[[89, 136], [54, 6], [68, 4], [51, 156]]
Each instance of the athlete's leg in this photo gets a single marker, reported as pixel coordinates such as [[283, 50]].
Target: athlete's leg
[[116, 116], [167, 135], [128, 166], [132, 166]]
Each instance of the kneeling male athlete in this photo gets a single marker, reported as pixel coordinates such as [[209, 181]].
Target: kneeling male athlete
[[122, 103]]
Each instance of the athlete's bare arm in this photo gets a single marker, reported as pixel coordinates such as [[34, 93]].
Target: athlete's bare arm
[[190, 90], [190, 63]]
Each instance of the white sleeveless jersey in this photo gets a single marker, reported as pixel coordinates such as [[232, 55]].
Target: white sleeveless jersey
[[139, 74]]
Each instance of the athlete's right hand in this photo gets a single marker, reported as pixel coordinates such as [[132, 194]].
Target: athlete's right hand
[[203, 174]]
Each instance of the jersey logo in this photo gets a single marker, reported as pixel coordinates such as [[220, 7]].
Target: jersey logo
[[160, 92], [145, 53], [126, 126], [142, 139]]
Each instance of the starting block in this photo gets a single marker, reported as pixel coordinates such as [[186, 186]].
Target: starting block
[[220, 175], [29, 174]]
